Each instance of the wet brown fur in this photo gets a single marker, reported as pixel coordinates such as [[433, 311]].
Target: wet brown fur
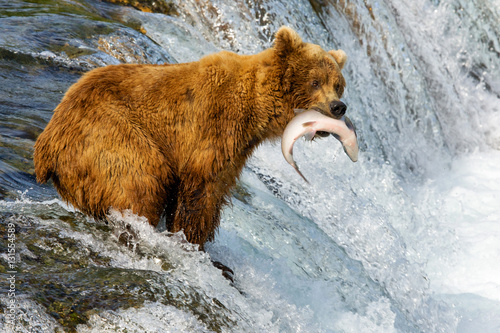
[[171, 140]]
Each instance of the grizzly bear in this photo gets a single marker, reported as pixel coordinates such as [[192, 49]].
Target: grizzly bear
[[169, 141]]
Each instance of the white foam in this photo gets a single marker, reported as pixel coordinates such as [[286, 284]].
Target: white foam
[[30, 317], [466, 201], [151, 317], [378, 319]]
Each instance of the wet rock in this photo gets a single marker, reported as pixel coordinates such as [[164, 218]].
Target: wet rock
[[149, 6]]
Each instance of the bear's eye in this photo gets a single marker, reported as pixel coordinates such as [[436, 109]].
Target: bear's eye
[[315, 84], [339, 89]]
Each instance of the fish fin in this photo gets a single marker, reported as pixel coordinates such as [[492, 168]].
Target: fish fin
[[308, 123], [310, 135]]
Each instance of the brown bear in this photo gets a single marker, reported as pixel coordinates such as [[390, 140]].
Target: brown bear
[[169, 141]]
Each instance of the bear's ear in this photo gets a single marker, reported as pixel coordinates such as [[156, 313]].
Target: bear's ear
[[286, 41], [339, 56]]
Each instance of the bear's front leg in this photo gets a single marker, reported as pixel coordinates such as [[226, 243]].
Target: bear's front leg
[[199, 203]]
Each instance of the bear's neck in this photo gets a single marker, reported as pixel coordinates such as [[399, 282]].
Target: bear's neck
[[248, 102], [257, 110], [270, 109]]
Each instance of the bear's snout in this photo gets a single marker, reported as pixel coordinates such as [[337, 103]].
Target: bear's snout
[[337, 108]]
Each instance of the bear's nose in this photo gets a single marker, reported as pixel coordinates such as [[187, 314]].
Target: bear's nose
[[337, 108]]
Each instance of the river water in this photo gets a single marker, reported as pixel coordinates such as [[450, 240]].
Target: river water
[[405, 240]]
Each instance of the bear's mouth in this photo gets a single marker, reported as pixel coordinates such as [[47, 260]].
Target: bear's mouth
[[322, 134]]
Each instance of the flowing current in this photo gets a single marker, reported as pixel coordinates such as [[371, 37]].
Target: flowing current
[[405, 240]]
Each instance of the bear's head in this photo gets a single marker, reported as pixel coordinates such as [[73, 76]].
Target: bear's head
[[311, 76]]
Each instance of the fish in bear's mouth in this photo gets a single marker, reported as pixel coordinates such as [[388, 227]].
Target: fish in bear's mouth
[[311, 123]]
